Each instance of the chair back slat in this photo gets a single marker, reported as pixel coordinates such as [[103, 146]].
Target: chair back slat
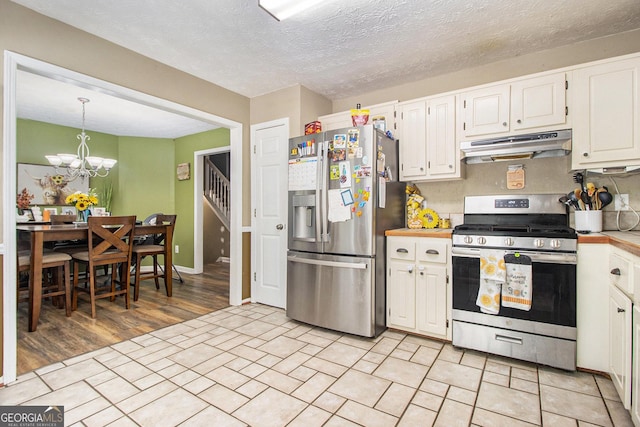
[[110, 239]]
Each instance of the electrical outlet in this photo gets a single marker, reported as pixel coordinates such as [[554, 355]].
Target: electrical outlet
[[621, 202], [177, 249]]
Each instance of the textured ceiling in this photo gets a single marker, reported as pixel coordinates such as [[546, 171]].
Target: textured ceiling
[[339, 48]]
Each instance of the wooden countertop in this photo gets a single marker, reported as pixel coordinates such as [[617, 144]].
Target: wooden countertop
[[444, 233], [626, 240]]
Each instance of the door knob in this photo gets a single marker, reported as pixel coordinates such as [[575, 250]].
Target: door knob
[[280, 226]]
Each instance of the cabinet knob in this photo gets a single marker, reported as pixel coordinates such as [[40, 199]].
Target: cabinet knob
[[422, 273], [421, 169], [450, 166], [410, 268], [621, 310], [504, 124], [519, 121], [585, 154], [615, 271]]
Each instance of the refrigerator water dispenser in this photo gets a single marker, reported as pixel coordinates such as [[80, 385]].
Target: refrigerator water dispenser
[[304, 217]]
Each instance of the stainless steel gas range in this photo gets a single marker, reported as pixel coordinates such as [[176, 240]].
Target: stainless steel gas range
[[535, 227]]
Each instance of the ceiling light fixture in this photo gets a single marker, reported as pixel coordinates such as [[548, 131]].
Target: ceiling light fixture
[[82, 165], [283, 9]]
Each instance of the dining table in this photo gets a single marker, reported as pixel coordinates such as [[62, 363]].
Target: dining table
[[38, 234]]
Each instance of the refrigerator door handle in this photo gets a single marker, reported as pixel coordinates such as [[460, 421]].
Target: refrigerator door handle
[[325, 189], [319, 207], [354, 265]]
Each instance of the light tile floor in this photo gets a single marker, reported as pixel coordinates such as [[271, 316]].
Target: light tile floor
[[251, 365]]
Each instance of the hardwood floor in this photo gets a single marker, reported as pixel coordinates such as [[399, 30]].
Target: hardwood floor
[[59, 337]]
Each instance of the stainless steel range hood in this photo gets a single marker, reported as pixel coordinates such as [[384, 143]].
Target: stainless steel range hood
[[534, 145]]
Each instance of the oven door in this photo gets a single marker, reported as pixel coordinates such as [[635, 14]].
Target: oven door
[[553, 287]]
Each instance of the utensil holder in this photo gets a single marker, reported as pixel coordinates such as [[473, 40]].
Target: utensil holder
[[588, 220]]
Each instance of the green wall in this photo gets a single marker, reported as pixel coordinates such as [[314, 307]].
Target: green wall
[[144, 179], [35, 139], [184, 149]]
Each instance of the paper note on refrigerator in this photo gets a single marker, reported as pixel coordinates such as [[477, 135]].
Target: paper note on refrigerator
[[382, 192], [337, 211]]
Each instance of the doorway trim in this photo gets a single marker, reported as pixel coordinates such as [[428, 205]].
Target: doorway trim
[[14, 62]]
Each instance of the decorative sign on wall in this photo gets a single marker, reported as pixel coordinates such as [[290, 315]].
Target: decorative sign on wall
[[184, 171], [48, 186]]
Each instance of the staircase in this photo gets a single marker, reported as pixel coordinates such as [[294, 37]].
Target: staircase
[[217, 192]]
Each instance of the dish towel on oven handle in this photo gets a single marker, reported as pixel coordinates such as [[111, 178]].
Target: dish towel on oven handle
[[492, 277], [518, 290]]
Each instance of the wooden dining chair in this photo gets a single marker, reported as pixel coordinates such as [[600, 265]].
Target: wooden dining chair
[[154, 246], [59, 285], [110, 243]]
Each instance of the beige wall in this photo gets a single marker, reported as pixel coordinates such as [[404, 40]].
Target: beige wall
[[606, 47], [298, 103]]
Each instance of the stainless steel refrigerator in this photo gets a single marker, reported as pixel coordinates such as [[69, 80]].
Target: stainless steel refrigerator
[[343, 194]]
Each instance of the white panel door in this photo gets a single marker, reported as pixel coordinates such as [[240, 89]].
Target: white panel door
[[269, 213], [620, 313]]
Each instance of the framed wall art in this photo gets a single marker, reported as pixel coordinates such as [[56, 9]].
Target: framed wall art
[[48, 186]]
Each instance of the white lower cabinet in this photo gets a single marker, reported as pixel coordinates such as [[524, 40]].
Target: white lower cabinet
[[592, 307], [418, 288], [635, 369], [620, 313]]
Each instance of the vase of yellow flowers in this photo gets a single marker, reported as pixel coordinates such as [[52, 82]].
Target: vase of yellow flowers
[[82, 203]]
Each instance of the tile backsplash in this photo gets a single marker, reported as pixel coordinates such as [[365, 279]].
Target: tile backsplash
[[542, 176]]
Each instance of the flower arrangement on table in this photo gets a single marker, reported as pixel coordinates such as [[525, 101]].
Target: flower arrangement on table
[[23, 200], [82, 202]]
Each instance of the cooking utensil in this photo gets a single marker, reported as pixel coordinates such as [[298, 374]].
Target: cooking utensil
[[604, 197], [573, 199], [584, 196]]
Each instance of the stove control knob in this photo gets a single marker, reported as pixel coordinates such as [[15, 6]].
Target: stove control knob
[[468, 239], [538, 243], [508, 241], [555, 243], [482, 240]]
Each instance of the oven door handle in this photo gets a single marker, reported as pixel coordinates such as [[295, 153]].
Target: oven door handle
[[550, 258]]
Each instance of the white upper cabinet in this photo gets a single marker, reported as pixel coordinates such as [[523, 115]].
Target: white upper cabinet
[[343, 119], [606, 130], [526, 105], [428, 146]]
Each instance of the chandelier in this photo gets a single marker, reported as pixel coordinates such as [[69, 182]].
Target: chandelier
[[82, 165]]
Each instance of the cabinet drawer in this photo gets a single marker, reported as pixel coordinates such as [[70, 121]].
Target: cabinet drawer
[[620, 269], [433, 250], [401, 248]]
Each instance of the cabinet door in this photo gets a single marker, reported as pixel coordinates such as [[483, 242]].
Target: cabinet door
[[401, 294], [386, 110], [592, 303], [413, 153], [620, 343], [635, 385], [606, 124], [443, 156], [486, 111], [431, 299], [336, 121], [538, 102]]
